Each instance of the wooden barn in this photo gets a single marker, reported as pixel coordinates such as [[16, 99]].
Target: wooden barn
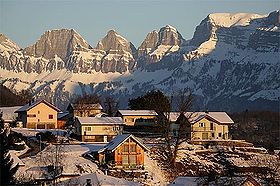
[[124, 151]]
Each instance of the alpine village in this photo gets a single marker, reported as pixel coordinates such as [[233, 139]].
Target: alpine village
[[173, 112]]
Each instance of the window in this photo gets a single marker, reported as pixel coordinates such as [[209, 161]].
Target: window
[[38, 120], [116, 128], [40, 126], [133, 148], [124, 159], [99, 138], [125, 148], [38, 111], [50, 116], [213, 135], [132, 159], [87, 128], [211, 126], [220, 134], [89, 137], [201, 124], [204, 136], [31, 115]]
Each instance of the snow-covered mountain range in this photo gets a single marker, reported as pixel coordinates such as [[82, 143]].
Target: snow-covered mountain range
[[231, 63]]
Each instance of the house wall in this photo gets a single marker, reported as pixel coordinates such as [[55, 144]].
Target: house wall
[[61, 124], [120, 153], [93, 133], [40, 117], [130, 120], [202, 130], [86, 112]]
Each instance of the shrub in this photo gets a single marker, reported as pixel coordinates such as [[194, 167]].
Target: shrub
[[46, 136]]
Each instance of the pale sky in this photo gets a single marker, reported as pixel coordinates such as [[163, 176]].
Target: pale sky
[[24, 21]]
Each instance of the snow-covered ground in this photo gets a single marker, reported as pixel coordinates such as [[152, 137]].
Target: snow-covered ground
[[68, 156]]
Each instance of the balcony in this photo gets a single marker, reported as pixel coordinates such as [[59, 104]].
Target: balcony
[[206, 129]]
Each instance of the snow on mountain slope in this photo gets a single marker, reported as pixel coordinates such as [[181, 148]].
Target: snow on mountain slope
[[230, 64], [229, 20]]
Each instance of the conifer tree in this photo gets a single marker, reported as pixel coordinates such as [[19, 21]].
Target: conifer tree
[[7, 170]]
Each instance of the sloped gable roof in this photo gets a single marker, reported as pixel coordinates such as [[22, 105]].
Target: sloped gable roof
[[220, 117], [100, 120], [120, 139], [35, 103], [9, 112], [138, 112], [173, 116]]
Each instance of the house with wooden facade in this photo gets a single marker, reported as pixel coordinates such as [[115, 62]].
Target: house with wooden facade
[[84, 110], [124, 151], [138, 117], [38, 115], [98, 129], [206, 125]]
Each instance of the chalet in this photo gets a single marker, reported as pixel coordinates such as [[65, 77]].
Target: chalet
[[124, 151], [84, 110], [98, 129], [206, 125], [135, 117], [38, 115]]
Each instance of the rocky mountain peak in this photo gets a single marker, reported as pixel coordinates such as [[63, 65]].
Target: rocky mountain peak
[[274, 18], [116, 42], [7, 44], [60, 42], [149, 43], [169, 35]]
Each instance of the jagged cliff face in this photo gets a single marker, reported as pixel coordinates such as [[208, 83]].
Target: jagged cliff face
[[112, 54], [158, 45], [230, 64], [56, 42]]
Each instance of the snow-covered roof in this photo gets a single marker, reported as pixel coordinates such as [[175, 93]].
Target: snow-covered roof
[[120, 139], [138, 112], [97, 179], [9, 112], [62, 114], [100, 120], [173, 116], [30, 105], [220, 117]]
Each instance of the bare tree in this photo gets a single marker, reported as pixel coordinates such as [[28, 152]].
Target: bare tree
[[183, 102], [87, 99], [52, 159], [111, 106]]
